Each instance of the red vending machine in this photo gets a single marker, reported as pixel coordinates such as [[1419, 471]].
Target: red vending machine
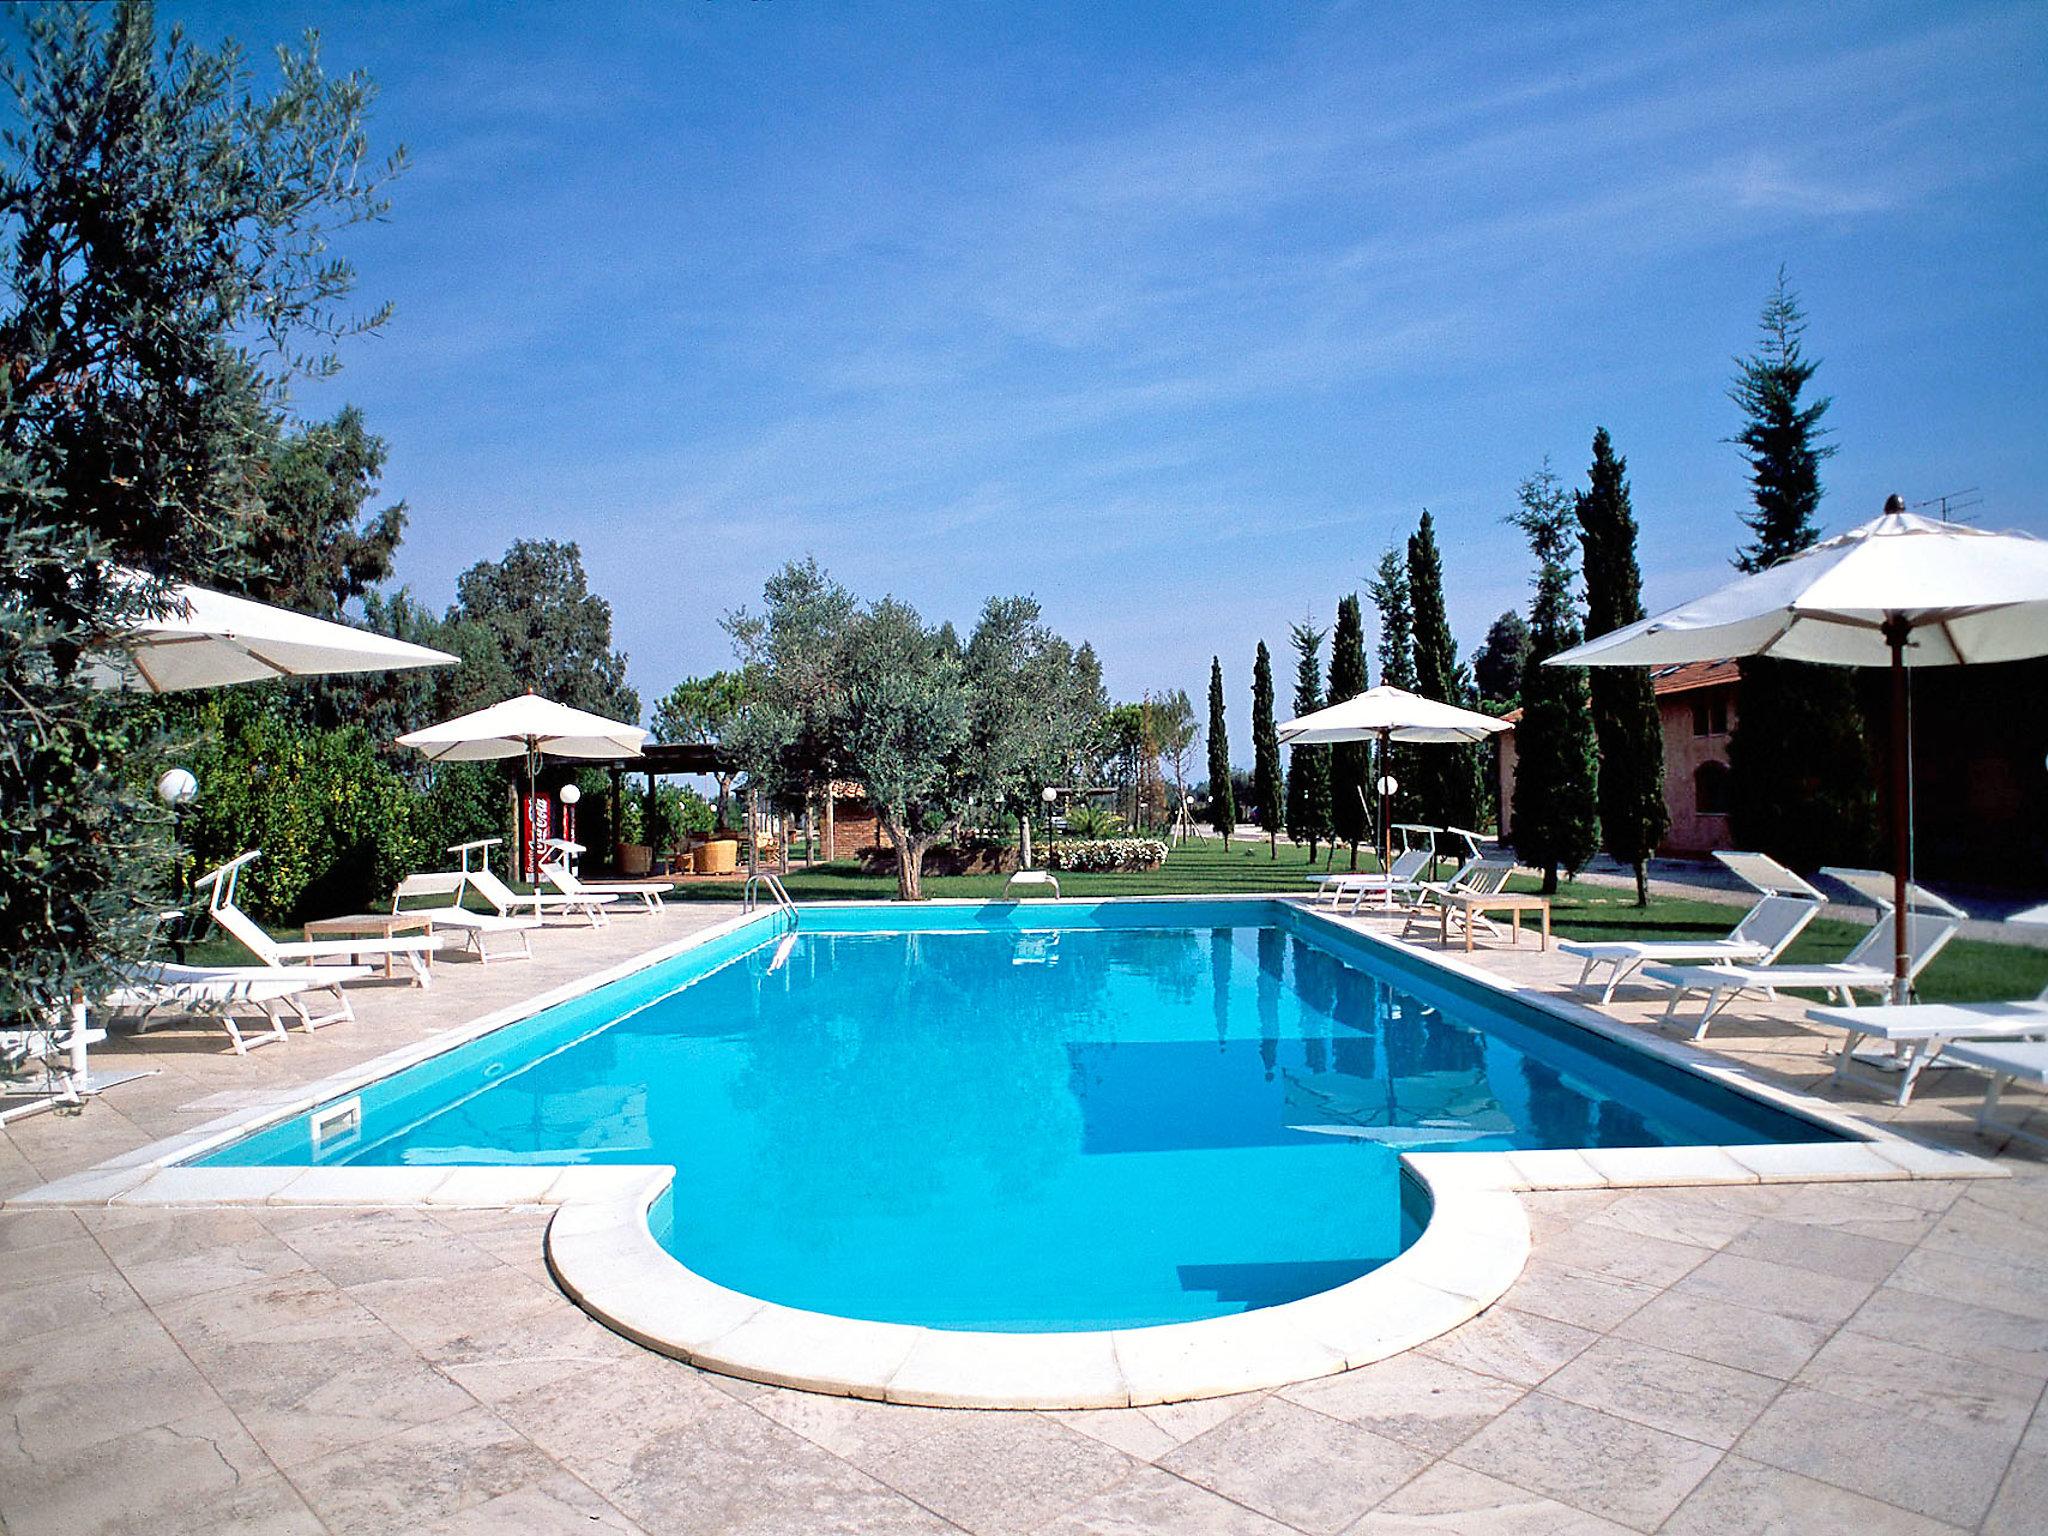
[[538, 823]]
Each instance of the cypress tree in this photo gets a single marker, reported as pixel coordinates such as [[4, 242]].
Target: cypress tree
[[1800, 780], [1349, 768], [1222, 802], [1389, 590], [1268, 785], [1633, 817], [1447, 777], [1497, 667], [1308, 768], [1555, 805]]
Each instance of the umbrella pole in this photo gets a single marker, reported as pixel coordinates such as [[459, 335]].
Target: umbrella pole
[[1386, 826], [1895, 629]]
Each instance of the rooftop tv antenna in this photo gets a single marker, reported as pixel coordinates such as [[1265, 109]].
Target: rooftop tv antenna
[[1952, 503]]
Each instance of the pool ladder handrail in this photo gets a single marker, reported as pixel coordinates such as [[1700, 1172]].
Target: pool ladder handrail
[[751, 897]]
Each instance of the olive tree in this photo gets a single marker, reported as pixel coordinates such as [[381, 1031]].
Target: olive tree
[[167, 263], [905, 732]]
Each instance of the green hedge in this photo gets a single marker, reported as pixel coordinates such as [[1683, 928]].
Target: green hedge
[[337, 825]]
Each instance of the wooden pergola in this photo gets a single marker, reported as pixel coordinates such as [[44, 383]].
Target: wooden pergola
[[660, 760]]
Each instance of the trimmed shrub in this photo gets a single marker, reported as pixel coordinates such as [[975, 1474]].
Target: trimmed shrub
[[1105, 854], [974, 856], [338, 828]]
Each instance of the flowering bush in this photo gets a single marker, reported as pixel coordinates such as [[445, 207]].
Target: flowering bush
[[1107, 853]]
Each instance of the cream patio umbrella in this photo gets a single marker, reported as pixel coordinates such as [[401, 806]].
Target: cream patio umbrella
[[526, 726], [1900, 591], [208, 639], [1384, 715]]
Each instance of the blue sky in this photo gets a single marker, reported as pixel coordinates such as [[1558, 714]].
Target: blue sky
[[1172, 315]]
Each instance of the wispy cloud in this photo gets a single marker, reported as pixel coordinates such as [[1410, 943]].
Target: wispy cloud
[[1003, 303]]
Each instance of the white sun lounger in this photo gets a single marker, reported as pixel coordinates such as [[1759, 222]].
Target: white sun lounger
[[1418, 847], [647, 892], [1930, 923], [1920, 1032], [246, 931], [1766, 930], [1475, 877], [2008, 1062], [221, 992], [473, 928], [507, 901]]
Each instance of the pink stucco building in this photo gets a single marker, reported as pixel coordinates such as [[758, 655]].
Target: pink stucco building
[[1696, 707]]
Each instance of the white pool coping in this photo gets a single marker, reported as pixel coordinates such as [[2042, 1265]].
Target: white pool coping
[[603, 1253]]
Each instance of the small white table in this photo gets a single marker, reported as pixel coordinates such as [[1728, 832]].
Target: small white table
[[1031, 877]]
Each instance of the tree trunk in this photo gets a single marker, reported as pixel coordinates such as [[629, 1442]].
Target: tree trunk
[[831, 824], [910, 868], [1642, 882], [909, 857], [1272, 844], [1550, 880], [724, 800]]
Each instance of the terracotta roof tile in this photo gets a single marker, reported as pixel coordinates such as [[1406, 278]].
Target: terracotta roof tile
[[1688, 675]]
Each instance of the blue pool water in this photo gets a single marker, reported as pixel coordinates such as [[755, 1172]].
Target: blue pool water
[[1116, 1115]]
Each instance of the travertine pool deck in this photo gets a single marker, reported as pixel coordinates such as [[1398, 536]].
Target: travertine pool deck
[[1815, 1357]]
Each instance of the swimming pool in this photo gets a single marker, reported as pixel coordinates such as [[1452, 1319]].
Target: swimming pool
[[1087, 1116]]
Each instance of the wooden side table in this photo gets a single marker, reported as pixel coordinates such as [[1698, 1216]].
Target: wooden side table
[[1510, 902], [374, 925]]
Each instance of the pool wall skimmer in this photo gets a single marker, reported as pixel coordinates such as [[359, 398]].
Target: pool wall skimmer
[[603, 1250]]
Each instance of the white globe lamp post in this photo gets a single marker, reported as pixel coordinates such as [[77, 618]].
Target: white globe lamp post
[[569, 796], [177, 787]]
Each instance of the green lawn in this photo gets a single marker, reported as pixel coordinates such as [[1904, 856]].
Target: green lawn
[[1966, 971]]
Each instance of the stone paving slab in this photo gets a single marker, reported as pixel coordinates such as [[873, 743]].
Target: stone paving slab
[[1865, 1356]]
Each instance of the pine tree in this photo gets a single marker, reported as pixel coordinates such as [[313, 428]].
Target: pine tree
[[1801, 782], [1780, 438], [1556, 823], [1349, 767], [1222, 803], [1268, 784], [1308, 768], [1446, 778], [1633, 816], [1389, 591]]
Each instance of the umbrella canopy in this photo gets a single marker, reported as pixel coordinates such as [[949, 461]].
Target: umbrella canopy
[[526, 726], [209, 639], [1390, 714], [1900, 591], [1385, 714], [1959, 595], [531, 727]]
